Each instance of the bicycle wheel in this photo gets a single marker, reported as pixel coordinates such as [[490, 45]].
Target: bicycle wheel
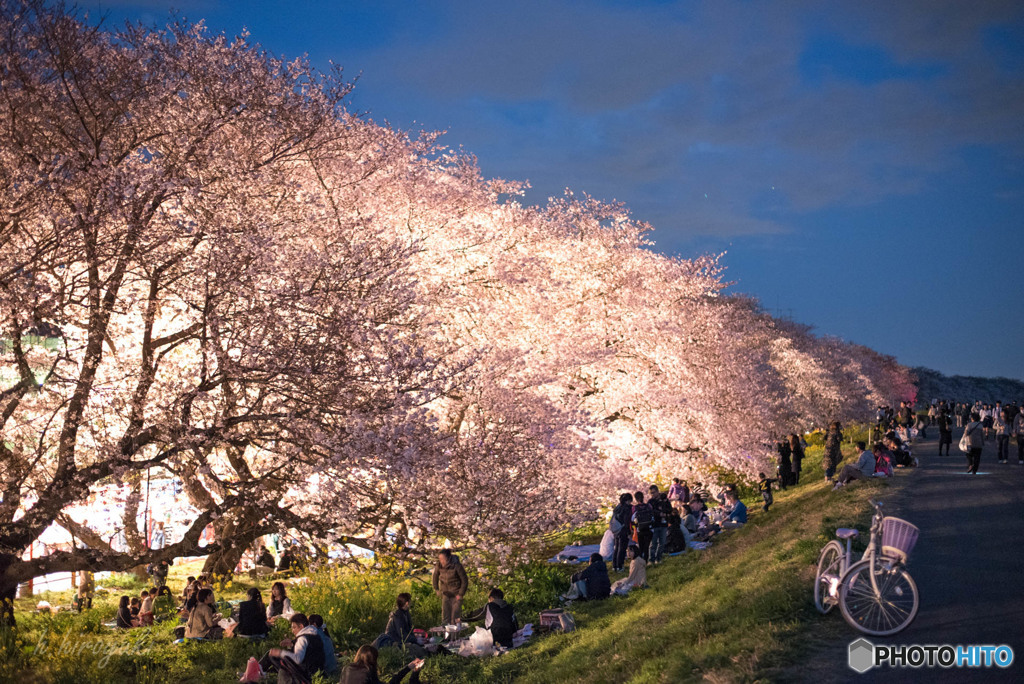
[[826, 582], [881, 613]]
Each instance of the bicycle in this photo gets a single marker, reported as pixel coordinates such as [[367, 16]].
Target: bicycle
[[876, 595]]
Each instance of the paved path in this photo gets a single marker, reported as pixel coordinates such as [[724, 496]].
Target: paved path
[[968, 565]]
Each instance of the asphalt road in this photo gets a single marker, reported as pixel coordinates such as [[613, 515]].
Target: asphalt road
[[968, 565]]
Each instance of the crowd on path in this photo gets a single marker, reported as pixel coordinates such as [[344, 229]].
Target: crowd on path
[[983, 422]]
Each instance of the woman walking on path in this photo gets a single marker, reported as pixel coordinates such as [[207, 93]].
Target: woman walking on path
[[945, 432], [833, 452], [976, 440], [1001, 426]]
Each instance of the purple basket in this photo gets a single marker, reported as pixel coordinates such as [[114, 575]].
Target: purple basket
[[898, 538]]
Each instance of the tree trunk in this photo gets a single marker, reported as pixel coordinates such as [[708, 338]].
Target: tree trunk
[[235, 532], [8, 591]]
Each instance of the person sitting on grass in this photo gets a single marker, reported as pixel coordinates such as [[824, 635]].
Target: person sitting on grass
[[399, 628], [146, 607], [202, 621], [280, 605], [498, 616], [284, 564], [190, 601], [637, 577], [883, 460], [592, 582], [330, 658], [265, 559], [252, 620], [363, 669], [299, 659], [136, 608], [697, 524], [186, 591], [124, 617], [737, 515], [676, 541], [163, 604], [863, 468]]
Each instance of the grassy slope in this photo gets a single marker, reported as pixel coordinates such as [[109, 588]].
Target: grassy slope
[[740, 611], [737, 612]]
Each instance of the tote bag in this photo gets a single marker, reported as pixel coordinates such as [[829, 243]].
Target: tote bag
[[965, 441]]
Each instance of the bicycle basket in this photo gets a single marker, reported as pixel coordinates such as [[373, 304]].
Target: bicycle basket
[[898, 538]]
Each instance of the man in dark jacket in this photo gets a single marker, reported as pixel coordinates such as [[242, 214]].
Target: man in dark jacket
[[659, 528], [450, 583], [498, 617], [399, 629], [643, 519], [620, 527], [597, 584]]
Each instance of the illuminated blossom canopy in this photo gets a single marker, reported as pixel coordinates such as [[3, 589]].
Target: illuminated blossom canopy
[[209, 268]]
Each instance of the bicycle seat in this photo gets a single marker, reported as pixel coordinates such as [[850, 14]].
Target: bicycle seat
[[846, 533]]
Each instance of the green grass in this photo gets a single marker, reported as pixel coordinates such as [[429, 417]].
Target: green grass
[[739, 611]]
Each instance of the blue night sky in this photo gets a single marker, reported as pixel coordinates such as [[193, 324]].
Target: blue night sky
[[861, 163]]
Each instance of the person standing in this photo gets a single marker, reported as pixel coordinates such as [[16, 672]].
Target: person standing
[[906, 416], [764, 485], [797, 455], [976, 442], [678, 494], [1018, 432], [1001, 427], [785, 464], [833, 450], [659, 528], [620, 527], [159, 537], [450, 583], [945, 432], [643, 519]]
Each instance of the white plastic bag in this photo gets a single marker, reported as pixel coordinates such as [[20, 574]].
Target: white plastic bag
[[481, 643], [607, 545]]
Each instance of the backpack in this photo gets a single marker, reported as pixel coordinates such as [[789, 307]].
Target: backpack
[[643, 517]]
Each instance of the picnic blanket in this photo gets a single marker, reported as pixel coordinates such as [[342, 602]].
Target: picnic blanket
[[581, 553]]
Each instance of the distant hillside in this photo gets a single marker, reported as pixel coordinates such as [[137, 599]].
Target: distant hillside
[[934, 385]]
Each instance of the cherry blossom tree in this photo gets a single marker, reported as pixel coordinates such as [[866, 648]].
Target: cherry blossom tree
[[209, 268], [156, 232]]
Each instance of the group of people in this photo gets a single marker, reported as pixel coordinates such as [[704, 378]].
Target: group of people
[[888, 418], [644, 528], [658, 523], [791, 456], [142, 611], [981, 422], [1002, 423]]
